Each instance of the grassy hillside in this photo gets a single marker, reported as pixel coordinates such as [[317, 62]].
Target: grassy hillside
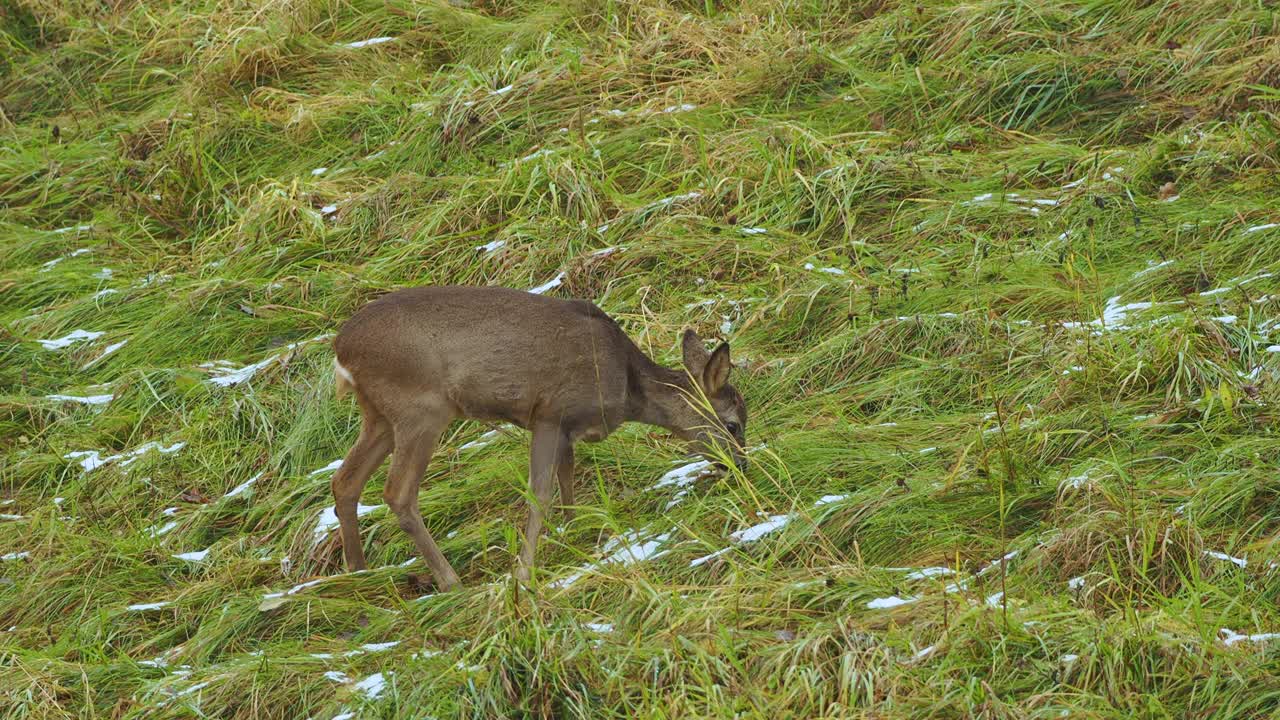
[[1002, 280]]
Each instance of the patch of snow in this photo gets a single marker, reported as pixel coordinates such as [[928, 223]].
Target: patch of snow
[[492, 246], [1171, 198], [328, 209], [599, 627], [995, 600], [503, 90], [142, 607], [75, 253], [929, 572], [554, 282], [328, 520], [73, 337], [337, 676], [708, 558], [91, 459], [1075, 583], [243, 487], [155, 532], [625, 549], [1223, 556], [682, 107], [15, 555], [320, 171], [103, 274], [921, 654], [1231, 637], [604, 252], [371, 41], [331, 467], [668, 201], [1069, 658], [759, 530], [1260, 228], [195, 556], [890, 602], [828, 499], [1151, 267], [105, 352], [83, 399], [1077, 481], [753, 230], [481, 441], [372, 686]]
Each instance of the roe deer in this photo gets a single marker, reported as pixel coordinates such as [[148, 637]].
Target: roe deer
[[417, 359]]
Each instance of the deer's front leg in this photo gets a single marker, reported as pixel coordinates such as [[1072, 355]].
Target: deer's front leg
[[564, 473], [549, 446]]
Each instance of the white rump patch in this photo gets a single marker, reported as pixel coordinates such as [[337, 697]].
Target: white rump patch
[[343, 373]]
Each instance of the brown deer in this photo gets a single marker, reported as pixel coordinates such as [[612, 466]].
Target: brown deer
[[417, 359]]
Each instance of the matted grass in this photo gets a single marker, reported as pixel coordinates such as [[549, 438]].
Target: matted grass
[[998, 277]]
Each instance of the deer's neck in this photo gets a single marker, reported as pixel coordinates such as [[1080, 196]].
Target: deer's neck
[[652, 393]]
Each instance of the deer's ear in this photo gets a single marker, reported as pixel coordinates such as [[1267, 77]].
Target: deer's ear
[[695, 355], [716, 372]]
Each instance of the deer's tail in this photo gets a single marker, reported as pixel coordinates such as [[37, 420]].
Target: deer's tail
[[343, 382]]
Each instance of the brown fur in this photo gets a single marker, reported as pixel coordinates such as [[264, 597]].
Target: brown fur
[[419, 358]]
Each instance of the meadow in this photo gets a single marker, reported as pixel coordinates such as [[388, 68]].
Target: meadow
[[1001, 279]]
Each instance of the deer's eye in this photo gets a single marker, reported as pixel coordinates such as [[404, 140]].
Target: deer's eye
[[732, 427]]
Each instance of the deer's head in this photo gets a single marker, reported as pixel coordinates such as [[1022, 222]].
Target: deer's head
[[714, 412]]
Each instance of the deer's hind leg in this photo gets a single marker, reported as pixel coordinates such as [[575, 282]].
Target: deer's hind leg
[[415, 442], [370, 449]]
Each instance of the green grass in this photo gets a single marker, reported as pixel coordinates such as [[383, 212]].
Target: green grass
[[973, 378]]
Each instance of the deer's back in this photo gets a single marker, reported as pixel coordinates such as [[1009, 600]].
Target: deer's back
[[491, 353]]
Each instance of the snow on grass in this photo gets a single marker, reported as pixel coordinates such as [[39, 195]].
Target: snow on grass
[[892, 601], [367, 43], [827, 270], [372, 686], [759, 530], [929, 572], [243, 487], [331, 467], [83, 399], [105, 352], [1152, 267], [995, 600], [771, 524], [1227, 558], [328, 520], [143, 607], [753, 231], [1075, 583], [682, 107], [623, 550], [15, 556], [195, 556], [91, 460], [70, 338], [225, 374], [1231, 637], [554, 282], [1260, 228], [492, 246], [599, 627], [681, 478], [164, 529], [1234, 283], [481, 441], [75, 253]]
